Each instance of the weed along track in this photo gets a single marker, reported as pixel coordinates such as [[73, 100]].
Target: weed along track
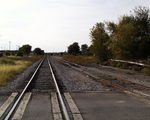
[[41, 97]]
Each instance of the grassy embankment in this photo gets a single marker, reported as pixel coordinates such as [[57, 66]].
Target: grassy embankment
[[12, 66], [87, 60]]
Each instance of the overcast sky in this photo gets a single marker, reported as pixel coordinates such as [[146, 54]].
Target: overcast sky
[[55, 24]]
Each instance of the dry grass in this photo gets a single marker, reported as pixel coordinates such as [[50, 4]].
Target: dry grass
[[11, 66], [82, 60], [146, 70]]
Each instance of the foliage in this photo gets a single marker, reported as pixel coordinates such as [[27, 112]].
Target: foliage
[[111, 27], [122, 45], [142, 24], [38, 51], [90, 50], [130, 38], [19, 53], [7, 53], [146, 70], [25, 50], [99, 41], [74, 49], [84, 49]]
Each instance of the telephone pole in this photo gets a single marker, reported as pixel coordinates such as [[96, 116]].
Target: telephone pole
[[9, 45]]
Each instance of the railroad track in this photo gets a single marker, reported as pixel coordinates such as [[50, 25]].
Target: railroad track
[[121, 84], [42, 81], [38, 82]]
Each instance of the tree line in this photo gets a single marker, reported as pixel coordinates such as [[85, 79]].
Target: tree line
[[75, 49], [25, 50], [129, 38]]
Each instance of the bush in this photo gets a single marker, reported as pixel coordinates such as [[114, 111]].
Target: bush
[[74, 49], [19, 53], [38, 51], [25, 49], [135, 68], [7, 53], [125, 65], [146, 70]]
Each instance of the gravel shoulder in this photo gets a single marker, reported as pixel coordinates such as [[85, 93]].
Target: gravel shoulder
[[110, 72], [122, 74], [73, 80]]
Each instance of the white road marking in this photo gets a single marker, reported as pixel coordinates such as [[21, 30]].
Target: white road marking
[[6, 104], [74, 109], [55, 107], [22, 106]]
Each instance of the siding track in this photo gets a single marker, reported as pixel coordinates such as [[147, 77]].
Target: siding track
[[126, 86]]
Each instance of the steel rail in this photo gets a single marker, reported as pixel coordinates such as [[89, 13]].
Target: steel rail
[[59, 94], [22, 93], [130, 62], [113, 84]]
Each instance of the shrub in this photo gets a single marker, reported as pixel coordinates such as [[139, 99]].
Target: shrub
[[135, 68], [7, 53], [146, 70]]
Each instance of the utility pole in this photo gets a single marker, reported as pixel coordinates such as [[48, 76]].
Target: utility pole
[[9, 45]]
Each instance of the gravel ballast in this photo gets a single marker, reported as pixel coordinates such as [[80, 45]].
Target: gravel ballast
[[73, 80]]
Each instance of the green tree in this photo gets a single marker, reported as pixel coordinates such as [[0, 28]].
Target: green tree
[[25, 49], [130, 38], [111, 27], [142, 24], [99, 39], [74, 49], [123, 37], [84, 49], [38, 51]]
